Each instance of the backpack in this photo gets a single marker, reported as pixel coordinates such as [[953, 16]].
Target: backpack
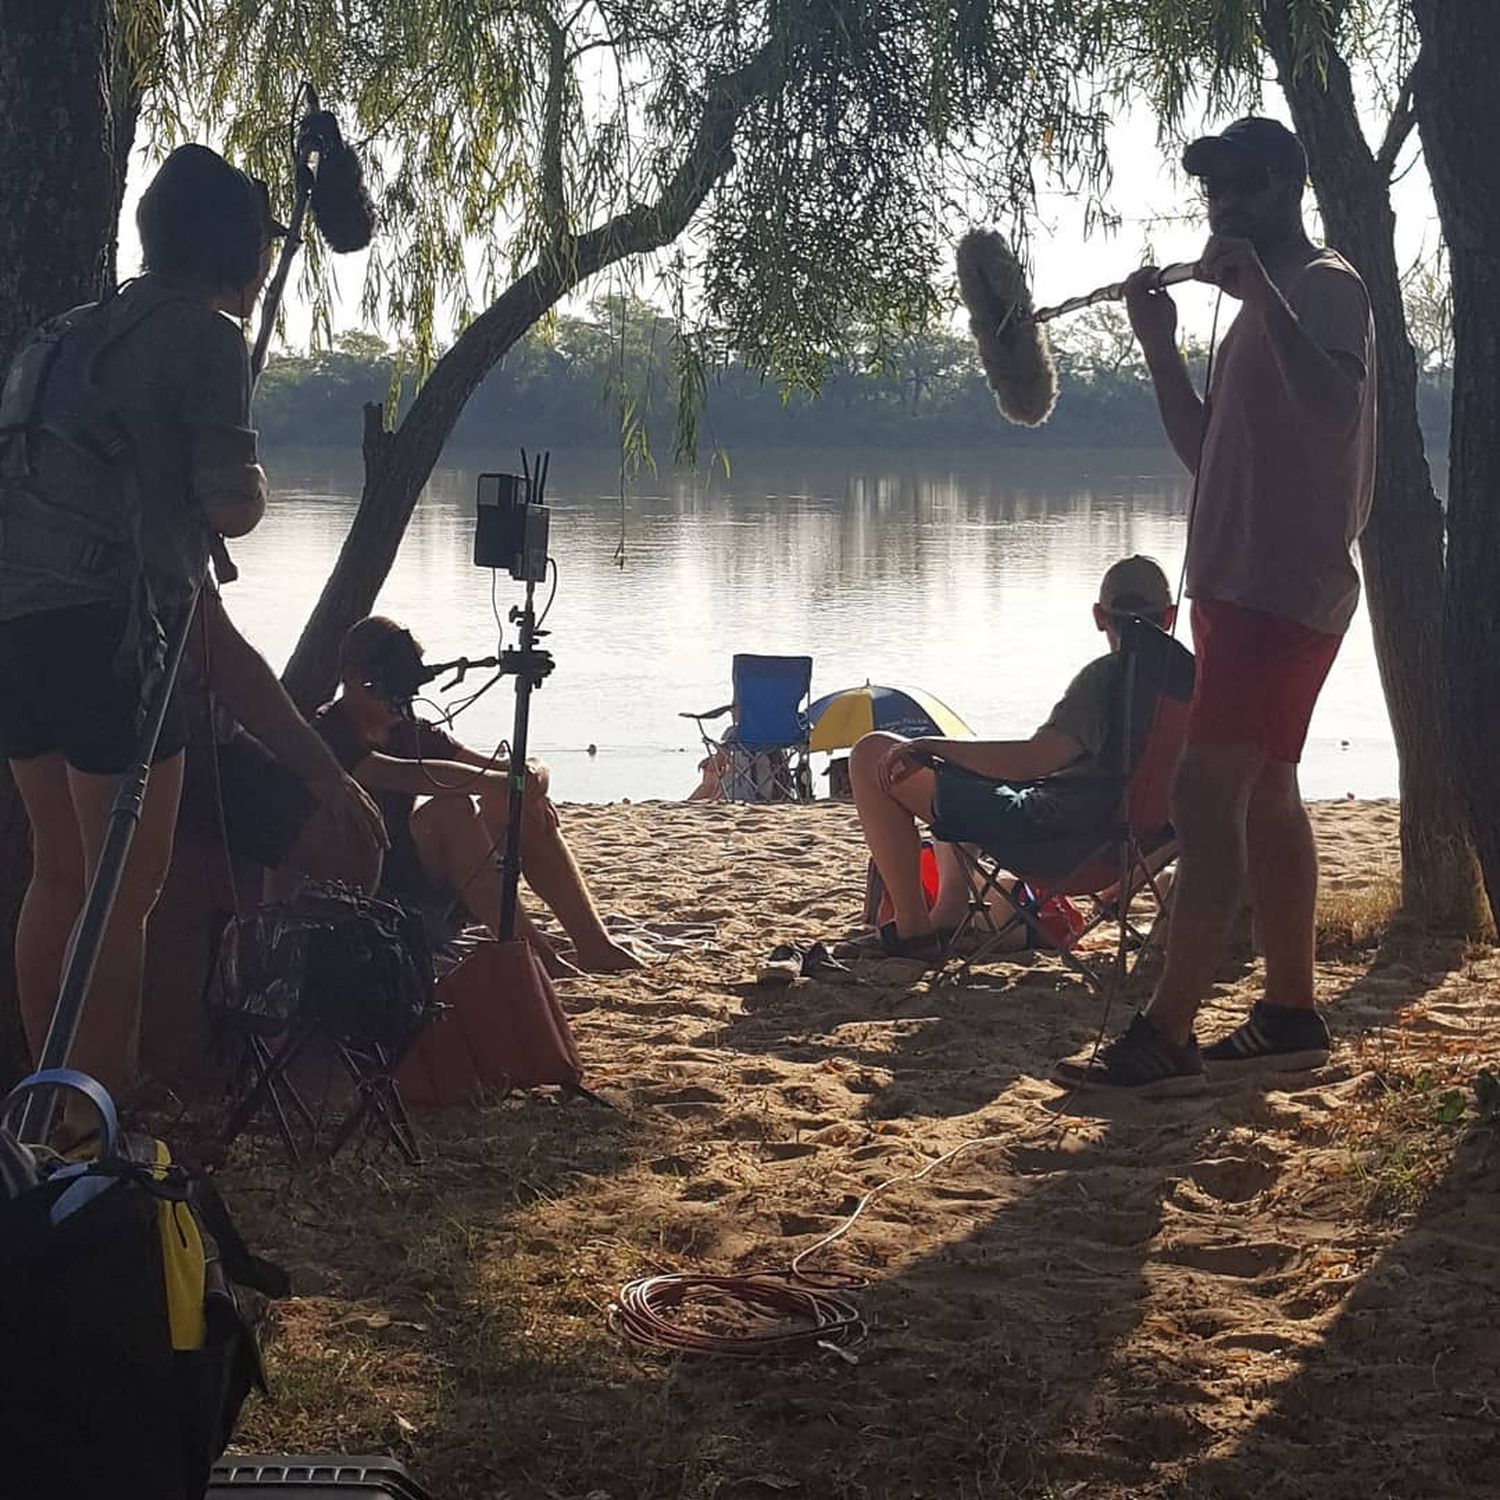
[[360, 965], [54, 412], [127, 1355]]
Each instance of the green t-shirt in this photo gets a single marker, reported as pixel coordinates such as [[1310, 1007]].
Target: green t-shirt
[[1088, 712]]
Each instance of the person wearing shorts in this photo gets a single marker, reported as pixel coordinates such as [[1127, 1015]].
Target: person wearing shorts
[[1284, 456], [1040, 800], [102, 544], [176, 370]]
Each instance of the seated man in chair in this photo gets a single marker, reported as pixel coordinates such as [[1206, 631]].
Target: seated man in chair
[[1007, 794], [446, 807]]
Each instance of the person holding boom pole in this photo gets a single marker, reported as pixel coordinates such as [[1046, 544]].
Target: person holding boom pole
[[125, 451], [1283, 454]]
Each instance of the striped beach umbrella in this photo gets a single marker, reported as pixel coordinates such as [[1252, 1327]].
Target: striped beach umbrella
[[838, 719]]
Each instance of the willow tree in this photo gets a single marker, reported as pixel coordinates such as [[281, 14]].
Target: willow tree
[[795, 165], [1217, 52]]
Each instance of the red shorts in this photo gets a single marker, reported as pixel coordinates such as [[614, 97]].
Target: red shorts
[[1258, 678]]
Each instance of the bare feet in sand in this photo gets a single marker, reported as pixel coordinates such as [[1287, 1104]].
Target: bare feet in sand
[[609, 958]]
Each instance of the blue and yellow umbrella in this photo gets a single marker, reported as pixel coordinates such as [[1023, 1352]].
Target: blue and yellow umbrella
[[838, 719]]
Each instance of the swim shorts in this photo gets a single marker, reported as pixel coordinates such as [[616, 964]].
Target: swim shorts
[[1035, 828], [60, 691], [1258, 678]]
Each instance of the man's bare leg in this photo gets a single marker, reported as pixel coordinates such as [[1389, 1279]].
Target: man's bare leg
[[953, 893], [889, 819], [1210, 797], [1283, 867], [553, 873], [457, 851]]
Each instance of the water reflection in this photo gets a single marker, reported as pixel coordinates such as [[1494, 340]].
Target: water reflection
[[961, 574]]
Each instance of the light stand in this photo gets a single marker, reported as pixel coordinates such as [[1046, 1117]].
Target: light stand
[[511, 531], [528, 676]]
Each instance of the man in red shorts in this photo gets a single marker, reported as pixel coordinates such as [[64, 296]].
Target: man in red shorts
[[1284, 453]]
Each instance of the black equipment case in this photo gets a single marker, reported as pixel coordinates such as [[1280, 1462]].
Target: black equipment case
[[261, 1476]]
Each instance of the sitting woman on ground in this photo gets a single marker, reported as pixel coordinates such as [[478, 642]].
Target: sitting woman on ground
[[1014, 797], [446, 807], [125, 445]]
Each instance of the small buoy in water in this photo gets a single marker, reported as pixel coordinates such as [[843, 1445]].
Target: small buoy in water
[[593, 749]]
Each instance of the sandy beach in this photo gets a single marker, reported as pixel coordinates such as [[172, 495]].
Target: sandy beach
[[1278, 1289]]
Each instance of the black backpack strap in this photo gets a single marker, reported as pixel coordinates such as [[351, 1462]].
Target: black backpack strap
[[240, 1263]]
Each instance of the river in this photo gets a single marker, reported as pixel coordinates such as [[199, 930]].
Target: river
[[969, 575]]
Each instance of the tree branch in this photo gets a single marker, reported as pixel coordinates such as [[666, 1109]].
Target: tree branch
[[1399, 128], [633, 231], [554, 199], [407, 455]]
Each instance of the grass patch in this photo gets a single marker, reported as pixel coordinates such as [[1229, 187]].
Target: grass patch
[[1401, 1136], [1357, 919]]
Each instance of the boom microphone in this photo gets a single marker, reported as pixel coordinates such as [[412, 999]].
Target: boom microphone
[[341, 206], [1012, 340], [331, 180]]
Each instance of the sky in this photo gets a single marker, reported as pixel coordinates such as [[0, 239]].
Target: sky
[[1148, 195]]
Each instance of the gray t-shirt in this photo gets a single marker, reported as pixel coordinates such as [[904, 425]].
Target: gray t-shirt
[[177, 373]]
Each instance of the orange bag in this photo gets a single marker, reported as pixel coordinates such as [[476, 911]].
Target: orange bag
[[501, 1027]]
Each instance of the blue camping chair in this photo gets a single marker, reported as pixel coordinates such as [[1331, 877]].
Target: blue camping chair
[[762, 755]]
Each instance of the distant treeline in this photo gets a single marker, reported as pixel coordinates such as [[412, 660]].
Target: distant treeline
[[589, 381]]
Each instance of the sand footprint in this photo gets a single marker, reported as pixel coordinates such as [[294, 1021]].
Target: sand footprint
[[1234, 1258], [692, 1100], [787, 1150], [1233, 1179]]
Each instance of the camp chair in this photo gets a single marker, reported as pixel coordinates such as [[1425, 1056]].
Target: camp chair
[[1111, 870], [276, 1000], [764, 750]]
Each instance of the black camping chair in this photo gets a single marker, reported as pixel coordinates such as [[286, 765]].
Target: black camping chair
[[332, 974], [1112, 868]]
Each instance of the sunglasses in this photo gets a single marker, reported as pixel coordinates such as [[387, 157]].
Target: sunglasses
[[1242, 184]]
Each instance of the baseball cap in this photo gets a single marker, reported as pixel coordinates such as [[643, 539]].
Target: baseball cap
[[1135, 586], [1245, 144]]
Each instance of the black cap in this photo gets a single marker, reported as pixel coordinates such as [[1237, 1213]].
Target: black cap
[[1252, 142]]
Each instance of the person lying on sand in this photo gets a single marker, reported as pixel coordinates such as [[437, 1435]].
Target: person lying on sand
[[446, 806], [1013, 793]]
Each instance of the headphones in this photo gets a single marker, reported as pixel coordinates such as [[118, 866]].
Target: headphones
[[395, 671]]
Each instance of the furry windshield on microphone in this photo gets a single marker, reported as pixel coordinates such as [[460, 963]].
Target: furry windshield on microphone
[[341, 205], [1013, 347]]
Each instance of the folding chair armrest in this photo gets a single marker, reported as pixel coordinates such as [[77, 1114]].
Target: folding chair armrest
[[708, 713]]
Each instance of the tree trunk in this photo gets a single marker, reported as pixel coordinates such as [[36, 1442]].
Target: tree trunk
[[61, 180], [1402, 548], [1458, 106], [398, 464]]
